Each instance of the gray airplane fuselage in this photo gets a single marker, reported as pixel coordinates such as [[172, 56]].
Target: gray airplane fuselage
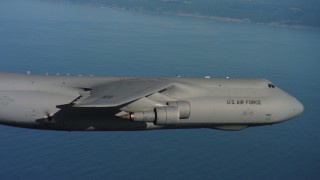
[[86, 103]]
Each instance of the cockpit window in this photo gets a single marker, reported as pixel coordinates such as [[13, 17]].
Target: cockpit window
[[271, 85]]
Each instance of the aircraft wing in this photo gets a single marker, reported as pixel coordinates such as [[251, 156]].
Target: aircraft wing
[[120, 92]]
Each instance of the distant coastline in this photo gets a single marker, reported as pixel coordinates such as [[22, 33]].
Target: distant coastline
[[186, 9], [282, 24]]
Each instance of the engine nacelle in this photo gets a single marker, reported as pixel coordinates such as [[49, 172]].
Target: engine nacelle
[[145, 116], [183, 107], [160, 116], [165, 115]]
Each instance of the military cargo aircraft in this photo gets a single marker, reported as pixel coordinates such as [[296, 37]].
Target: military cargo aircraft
[[80, 103]]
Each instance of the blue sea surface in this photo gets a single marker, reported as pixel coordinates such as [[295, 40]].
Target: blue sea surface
[[48, 37]]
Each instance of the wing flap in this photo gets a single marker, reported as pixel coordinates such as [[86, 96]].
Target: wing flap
[[120, 92]]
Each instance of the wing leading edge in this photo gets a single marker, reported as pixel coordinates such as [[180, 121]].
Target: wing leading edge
[[121, 92]]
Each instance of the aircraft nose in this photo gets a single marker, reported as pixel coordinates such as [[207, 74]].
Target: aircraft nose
[[297, 107], [291, 108]]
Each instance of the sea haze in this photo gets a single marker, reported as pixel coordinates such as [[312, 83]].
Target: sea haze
[[56, 37]]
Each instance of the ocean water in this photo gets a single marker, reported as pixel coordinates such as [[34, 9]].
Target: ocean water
[[45, 37]]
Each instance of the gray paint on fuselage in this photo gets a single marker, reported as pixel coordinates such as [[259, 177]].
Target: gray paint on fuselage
[[26, 100]]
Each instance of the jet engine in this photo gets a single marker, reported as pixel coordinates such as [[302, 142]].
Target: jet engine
[[170, 114]]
